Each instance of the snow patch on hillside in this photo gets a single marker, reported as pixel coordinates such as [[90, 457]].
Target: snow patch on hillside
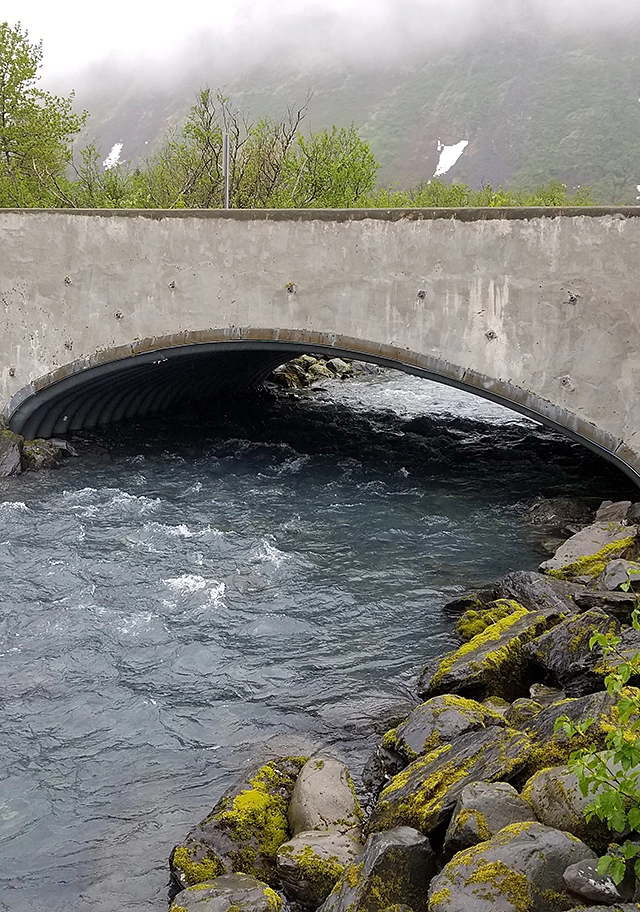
[[449, 155], [113, 158]]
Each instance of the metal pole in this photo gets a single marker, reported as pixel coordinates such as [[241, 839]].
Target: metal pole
[[225, 167]]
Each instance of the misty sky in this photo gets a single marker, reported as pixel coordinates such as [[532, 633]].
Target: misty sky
[[76, 33]]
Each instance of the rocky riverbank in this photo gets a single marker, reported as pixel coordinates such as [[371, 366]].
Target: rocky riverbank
[[18, 455], [471, 806]]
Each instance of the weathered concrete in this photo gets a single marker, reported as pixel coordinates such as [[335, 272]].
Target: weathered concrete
[[537, 309]]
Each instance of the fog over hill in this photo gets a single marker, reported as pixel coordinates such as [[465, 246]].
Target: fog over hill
[[539, 90]]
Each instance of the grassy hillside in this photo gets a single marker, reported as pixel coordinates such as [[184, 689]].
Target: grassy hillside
[[533, 109]]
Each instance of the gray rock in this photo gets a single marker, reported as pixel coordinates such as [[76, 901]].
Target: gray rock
[[439, 720], [588, 674], [619, 907], [395, 869], [323, 797], [618, 604], [538, 592], [310, 864], [613, 512], [10, 453], [339, 367], [425, 793], [583, 879], [560, 654], [482, 810], [560, 515], [40, 454], [518, 870], [583, 556], [492, 663], [522, 711], [237, 892], [429, 725], [243, 831], [619, 573], [551, 748], [545, 695], [557, 801], [319, 371]]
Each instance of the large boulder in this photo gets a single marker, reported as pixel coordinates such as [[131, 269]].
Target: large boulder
[[518, 870], [551, 747], [492, 662], [228, 893], [40, 454], [310, 864], [482, 810], [562, 516], [618, 604], [619, 573], [538, 592], [10, 453], [323, 797], [394, 870], [244, 830], [589, 673], [476, 620], [560, 654], [439, 720], [425, 793], [557, 801], [584, 556]]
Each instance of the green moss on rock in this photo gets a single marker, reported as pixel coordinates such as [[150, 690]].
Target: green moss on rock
[[475, 621], [592, 565]]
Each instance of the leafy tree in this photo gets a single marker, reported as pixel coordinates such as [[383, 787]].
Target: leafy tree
[[36, 127], [612, 776], [334, 169]]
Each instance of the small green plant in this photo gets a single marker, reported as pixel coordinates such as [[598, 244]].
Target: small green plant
[[612, 776]]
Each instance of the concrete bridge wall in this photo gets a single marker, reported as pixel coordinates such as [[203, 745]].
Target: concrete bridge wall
[[105, 314]]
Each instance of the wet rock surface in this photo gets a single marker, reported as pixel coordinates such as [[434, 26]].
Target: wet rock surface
[[482, 810], [228, 893], [396, 868], [519, 870], [425, 793]]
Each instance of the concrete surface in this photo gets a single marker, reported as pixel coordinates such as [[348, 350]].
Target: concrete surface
[[105, 314]]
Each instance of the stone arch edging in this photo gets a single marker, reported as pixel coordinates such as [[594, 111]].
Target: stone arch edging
[[59, 388]]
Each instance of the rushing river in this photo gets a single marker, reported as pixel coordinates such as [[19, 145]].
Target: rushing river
[[186, 599]]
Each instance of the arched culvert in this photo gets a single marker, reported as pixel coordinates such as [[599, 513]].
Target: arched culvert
[[161, 374]]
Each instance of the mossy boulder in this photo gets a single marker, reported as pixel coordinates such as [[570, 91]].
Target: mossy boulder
[[552, 748], [482, 810], [562, 655], [244, 830], [518, 870], [424, 795], [310, 864], [323, 797], [522, 711], [228, 893], [394, 872], [438, 721], [476, 620], [538, 592], [492, 662], [585, 555], [557, 801], [40, 454]]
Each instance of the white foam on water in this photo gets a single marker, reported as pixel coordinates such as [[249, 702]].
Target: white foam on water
[[14, 506], [190, 582]]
